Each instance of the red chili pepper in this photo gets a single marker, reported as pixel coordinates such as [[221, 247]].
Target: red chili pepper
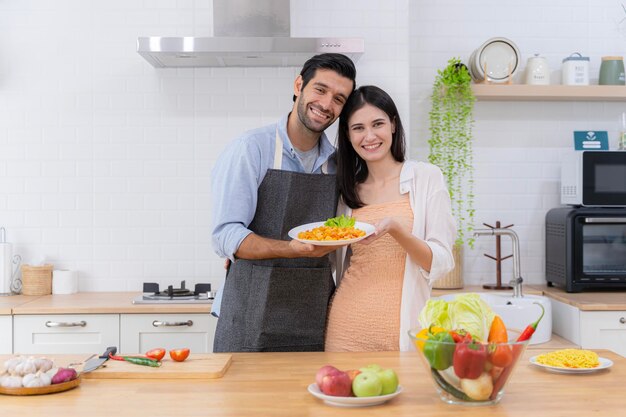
[[517, 351], [530, 329], [469, 358]]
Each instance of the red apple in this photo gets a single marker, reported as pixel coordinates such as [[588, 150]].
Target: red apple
[[337, 384], [322, 372]]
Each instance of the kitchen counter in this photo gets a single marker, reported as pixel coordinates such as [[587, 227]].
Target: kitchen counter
[[100, 303], [588, 301], [7, 304], [275, 384]]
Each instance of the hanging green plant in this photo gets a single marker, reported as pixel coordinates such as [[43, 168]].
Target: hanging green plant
[[451, 121]]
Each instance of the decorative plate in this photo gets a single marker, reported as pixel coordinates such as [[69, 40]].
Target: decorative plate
[[352, 401]]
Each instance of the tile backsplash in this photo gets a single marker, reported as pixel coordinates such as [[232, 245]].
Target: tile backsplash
[[105, 161]]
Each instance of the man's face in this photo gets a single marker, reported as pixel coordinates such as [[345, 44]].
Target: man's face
[[320, 102]]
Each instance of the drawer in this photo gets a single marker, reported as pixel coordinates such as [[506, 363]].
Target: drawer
[[604, 330], [6, 330], [142, 332], [65, 333]]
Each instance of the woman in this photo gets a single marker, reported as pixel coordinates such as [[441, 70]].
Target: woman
[[385, 280]]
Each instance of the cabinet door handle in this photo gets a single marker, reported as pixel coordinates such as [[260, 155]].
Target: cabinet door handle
[[622, 320], [81, 323], [158, 323]]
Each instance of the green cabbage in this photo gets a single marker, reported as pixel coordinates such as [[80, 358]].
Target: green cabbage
[[467, 311], [435, 313], [472, 313]]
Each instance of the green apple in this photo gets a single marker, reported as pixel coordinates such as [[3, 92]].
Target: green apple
[[367, 384], [389, 379], [372, 367]]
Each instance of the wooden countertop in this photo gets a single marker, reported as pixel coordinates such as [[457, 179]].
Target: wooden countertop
[[7, 304], [275, 384], [588, 301], [101, 303]]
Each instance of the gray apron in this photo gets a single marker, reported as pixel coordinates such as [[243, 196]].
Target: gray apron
[[280, 304]]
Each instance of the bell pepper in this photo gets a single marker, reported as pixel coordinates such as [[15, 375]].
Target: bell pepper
[[439, 349], [469, 358], [423, 335], [458, 335]]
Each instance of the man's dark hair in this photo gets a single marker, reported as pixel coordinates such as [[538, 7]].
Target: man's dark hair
[[339, 63]]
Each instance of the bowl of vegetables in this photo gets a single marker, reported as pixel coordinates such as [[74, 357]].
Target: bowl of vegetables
[[468, 352]]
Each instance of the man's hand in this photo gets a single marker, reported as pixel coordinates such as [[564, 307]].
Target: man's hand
[[308, 250]]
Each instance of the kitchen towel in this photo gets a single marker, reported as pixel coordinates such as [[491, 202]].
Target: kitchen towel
[[64, 281], [6, 267]]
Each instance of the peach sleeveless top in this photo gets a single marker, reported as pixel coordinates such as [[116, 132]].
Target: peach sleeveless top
[[365, 309]]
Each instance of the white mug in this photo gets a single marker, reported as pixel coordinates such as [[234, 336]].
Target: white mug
[[537, 71]]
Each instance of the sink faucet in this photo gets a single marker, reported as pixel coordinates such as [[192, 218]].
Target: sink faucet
[[517, 280]]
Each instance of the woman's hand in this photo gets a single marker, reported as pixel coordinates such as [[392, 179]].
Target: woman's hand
[[386, 225]]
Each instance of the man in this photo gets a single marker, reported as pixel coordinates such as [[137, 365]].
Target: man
[[268, 181]]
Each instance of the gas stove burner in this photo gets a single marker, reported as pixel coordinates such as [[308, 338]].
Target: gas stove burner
[[152, 294], [171, 292]]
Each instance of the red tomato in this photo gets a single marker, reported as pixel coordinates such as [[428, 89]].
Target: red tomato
[[179, 355], [157, 353]]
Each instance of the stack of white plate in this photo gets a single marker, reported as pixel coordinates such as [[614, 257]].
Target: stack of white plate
[[500, 57]]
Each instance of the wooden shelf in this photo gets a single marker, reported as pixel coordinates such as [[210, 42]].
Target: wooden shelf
[[523, 92]]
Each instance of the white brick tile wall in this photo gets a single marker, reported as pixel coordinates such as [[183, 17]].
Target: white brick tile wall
[[518, 145]]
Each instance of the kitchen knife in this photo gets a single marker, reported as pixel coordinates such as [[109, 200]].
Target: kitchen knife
[[95, 363]]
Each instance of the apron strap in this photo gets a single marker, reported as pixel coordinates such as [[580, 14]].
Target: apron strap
[[278, 152]]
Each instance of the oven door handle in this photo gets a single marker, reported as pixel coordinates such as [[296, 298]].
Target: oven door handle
[[158, 323], [605, 220]]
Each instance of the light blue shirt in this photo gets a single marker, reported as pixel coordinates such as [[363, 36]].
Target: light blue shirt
[[236, 178]]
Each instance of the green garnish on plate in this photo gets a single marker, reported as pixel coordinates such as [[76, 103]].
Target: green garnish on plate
[[341, 221]]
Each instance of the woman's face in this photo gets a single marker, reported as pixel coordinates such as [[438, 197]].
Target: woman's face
[[371, 133]]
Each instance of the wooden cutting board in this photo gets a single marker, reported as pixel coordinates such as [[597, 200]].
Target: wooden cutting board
[[196, 366]]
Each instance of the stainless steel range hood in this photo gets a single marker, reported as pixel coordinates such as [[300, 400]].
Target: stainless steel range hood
[[249, 33]]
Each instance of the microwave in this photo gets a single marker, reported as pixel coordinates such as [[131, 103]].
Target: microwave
[[586, 248], [594, 179]]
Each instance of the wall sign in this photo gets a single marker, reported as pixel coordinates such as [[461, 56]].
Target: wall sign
[[593, 140]]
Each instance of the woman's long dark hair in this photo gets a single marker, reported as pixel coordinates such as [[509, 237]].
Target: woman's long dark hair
[[351, 168]]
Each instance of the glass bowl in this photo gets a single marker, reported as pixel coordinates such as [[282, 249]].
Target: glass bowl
[[469, 373]]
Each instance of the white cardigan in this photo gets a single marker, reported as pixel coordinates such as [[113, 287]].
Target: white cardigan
[[432, 222]]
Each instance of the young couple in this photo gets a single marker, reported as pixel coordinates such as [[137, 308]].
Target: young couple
[[276, 294]]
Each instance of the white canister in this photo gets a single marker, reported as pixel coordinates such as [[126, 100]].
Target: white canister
[[537, 71], [64, 281], [575, 70]]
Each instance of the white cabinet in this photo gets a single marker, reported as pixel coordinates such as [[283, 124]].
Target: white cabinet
[[65, 333], [590, 329], [6, 334], [141, 332]]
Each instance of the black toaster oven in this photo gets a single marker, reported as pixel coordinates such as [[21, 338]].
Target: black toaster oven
[[586, 248]]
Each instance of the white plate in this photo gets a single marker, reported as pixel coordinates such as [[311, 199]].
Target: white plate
[[604, 363], [500, 56], [352, 401], [293, 233]]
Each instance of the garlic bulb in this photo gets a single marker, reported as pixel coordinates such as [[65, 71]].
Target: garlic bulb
[[12, 381], [44, 364], [40, 379], [11, 363], [26, 367], [52, 372]]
